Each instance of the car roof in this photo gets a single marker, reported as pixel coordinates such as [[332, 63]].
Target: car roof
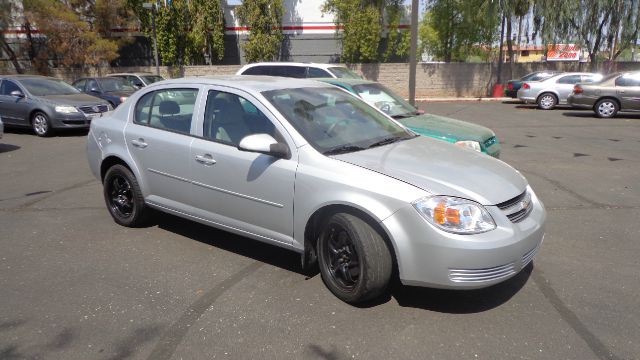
[[133, 73], [23, 76], [277, 63], [258, 83]]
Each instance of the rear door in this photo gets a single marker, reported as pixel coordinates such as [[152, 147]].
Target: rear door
[[159, 140], [564, 86]]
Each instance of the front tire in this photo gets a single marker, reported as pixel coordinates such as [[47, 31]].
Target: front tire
[[606, 108], [41, 124], [547, 101], [123, 197], [355, 262]]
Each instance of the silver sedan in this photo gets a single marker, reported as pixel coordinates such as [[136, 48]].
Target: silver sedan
[[555, 90], [308, 167]]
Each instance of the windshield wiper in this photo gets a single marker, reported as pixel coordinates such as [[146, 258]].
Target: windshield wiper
[[343, 149], [385, 141]]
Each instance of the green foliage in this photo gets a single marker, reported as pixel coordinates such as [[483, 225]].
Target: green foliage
[[188, 31], [362, 24], [452, 30], [70, 31], [263, 18]]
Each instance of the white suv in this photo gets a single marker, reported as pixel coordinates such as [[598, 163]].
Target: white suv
[[298, 70]]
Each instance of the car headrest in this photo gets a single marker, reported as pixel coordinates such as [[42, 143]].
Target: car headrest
[[169, 107]]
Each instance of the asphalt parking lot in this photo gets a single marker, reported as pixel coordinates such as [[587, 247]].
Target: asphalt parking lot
[[74, 285]]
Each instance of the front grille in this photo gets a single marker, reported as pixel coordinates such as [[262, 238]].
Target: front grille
[[94, 109], [509, 203], [482, 275], [490, 141], [526, 258], [518, 208]]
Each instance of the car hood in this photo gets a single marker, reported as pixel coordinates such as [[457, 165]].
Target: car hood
[[446, 128], [442, 169], [73, 99]]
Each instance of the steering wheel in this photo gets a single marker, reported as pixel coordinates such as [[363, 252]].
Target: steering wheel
[[335, 124]]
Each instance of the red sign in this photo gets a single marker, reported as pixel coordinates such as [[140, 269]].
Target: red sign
[[563, 52]]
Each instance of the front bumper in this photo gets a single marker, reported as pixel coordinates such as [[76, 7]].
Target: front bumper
[[72, 121], [431, 257]]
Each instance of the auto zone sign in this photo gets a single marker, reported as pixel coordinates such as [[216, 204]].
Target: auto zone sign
[[563, 52]]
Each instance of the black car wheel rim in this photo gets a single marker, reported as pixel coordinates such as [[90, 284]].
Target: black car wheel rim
[[120, 196], [342, 261]]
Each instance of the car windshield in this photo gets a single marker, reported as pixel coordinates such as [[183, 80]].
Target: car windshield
[[115, 84], [44, 87], [385, 100], [344, 73], [333, 121], [150, 79]]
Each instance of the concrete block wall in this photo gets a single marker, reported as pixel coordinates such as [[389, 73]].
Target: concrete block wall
[[432, 80]]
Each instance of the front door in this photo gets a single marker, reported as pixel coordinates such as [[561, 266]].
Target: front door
[[159, 140], [248, 192], [13, 109]]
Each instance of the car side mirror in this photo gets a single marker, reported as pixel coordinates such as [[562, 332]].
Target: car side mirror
[[94, 90], [138, 85], [264, 144], [17, 93]]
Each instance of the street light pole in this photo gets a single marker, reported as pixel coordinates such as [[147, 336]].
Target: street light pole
[[413, 57], [152, 7]]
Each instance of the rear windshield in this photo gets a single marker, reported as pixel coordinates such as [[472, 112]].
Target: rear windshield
[[344, 73]]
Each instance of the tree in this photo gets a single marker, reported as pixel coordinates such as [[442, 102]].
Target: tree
[[189, 31], [589, 23], [264, 20], [70, 33], [454, 29], [6, 9], [362, 23]]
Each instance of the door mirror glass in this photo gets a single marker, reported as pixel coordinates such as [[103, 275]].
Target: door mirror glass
[[94, 90], [264, 144], [17, 93]]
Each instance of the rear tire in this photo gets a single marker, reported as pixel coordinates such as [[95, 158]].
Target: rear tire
[[547, 101], [41, 124], [355, 261], [123, 197], [606, 108]]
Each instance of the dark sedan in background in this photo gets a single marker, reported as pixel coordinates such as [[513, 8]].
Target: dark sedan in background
[[114, 90], [616, 92], [45, 103], [514, 85]]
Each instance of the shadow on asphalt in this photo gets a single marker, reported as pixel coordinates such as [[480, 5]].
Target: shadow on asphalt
[[590, 114], [56, 133], [446, 301], [461, 301], [8, 148], [243, 246], [512, 102]]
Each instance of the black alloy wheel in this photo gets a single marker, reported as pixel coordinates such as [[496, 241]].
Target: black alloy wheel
[[123, 197], [355, 262]]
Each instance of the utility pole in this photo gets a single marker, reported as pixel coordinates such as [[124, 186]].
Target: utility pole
[[152, 7], [413, 58]]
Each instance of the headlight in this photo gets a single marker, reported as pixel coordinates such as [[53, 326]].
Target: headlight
[[456, 215], [473, 145], [123, 98], [66, 109]]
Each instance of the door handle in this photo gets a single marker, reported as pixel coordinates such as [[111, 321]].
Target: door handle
[[205, 159], [139, 143]]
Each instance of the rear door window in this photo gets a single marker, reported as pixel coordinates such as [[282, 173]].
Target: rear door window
[[570, 79], [168, 109]]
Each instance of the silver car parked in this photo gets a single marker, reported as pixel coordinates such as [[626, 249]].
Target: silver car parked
[[555, 90], [306, 166]]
